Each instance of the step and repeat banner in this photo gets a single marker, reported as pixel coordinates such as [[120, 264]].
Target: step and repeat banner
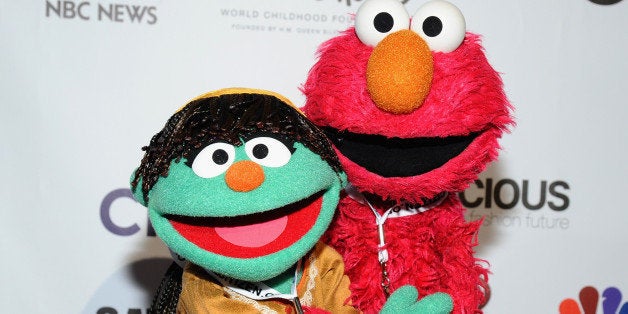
[[85, 84]]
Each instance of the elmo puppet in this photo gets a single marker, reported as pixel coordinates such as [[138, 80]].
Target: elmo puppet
[[414, 111]]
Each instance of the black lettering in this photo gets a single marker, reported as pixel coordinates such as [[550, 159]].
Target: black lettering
[[105, 213], [477, 202], [106, 310], [507, 194], [103, 11], [563, 197], [136, 12], [118, 13], [526, 195], [498, 195], [80, 11], [56, 10], [68, 9], [114, 13], [134, 311], [255, 289], [489, 194], [152, 15]]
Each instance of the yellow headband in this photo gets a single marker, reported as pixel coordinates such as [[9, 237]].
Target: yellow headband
[[244, 90]]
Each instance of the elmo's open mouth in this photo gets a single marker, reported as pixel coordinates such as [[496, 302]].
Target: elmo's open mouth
[[252, 235], [398, 157]]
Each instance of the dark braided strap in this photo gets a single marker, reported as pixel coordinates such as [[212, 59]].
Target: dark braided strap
[[167, 295]]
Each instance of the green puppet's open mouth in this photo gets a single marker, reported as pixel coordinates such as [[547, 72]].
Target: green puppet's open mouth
[[252, 235]]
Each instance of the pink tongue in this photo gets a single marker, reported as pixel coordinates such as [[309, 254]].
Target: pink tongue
[[254, 235]]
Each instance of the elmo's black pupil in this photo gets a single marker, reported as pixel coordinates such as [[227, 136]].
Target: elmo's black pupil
[[383, 22], [220, 157], [260, 151], [432, 26]]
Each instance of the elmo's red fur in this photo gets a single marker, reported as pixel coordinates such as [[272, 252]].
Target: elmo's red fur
[[432, 250]]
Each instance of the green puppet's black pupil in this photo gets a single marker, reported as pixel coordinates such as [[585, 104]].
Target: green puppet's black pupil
[[220, 157], [260, 151], [383, 22], [432, 26]]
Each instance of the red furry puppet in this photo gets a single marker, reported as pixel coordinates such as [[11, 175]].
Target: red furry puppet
[[414, 111]]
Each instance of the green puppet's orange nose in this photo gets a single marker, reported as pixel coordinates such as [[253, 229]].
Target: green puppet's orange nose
[[399, 72], [244, 176]]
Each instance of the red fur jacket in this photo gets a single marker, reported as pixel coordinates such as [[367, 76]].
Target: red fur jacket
[[430, 250]]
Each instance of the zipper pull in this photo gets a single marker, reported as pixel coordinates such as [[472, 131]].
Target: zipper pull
[[297, 305]]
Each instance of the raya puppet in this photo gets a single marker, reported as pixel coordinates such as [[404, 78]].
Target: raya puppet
[[242, 185]]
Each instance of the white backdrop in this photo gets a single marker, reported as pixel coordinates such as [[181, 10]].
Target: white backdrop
[[85, 84]]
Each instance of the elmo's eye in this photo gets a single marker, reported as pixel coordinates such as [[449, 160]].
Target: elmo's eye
[[267, 151], [376, 19], [440, 24], [213, 160]]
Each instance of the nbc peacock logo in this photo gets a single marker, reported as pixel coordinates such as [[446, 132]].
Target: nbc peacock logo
[[589, 298]]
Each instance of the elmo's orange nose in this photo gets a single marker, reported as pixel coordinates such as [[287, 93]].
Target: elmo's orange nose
[[244, 176], [399, 72]]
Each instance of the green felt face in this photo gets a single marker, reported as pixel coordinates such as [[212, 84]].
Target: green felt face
[[249, 211]]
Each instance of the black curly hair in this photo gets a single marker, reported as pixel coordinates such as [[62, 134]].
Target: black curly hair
[[227, 118]]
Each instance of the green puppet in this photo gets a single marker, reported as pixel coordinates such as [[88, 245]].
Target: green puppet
[[243, 186]]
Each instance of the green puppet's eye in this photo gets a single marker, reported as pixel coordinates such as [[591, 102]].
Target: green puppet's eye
[[267, 151], [213, 160]]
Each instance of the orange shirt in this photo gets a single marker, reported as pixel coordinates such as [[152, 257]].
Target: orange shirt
[[323, 285]]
